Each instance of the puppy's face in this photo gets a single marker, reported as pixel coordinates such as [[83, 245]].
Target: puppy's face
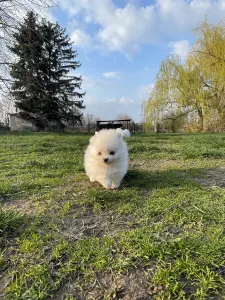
[[107, 146]]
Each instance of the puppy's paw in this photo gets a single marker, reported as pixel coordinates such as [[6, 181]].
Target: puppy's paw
[[115, 185], [92, 179], [107, 184]]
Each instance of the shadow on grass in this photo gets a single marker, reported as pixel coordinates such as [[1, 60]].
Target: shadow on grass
[[162, 179], [138, 184]]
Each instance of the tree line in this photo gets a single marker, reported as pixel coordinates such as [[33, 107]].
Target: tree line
[[190, 94]]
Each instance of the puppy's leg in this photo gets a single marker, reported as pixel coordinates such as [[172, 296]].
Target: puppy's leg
[[116, 180], [115, 184], [92, 179], [105, 182]]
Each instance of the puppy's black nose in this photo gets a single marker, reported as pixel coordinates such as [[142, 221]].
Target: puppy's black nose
[[105, 160]]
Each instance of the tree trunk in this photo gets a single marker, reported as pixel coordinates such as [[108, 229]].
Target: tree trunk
[[173, 126], [89, 127], [157, 128], [200, 114]]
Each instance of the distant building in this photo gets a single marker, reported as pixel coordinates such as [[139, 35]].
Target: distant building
[[17, 122], [30, 122]]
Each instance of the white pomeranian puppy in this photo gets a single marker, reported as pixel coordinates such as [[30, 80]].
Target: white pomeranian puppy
[[106, 158]]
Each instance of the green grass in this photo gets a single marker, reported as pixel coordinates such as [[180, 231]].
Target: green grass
[[9, 219], [160, 236]]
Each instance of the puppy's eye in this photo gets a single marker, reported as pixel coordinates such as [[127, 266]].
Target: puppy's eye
[[112, 152], [99, 153]]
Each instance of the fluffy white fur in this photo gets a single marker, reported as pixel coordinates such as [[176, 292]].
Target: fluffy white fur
[[106, 158]]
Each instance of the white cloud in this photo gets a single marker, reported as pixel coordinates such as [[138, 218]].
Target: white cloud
[[180, 48], [129, 27], [112, 100], [222, 3], [125, 100], [81, 39], [144, 91], [126, 29], [89, 99], [122, 100], [94, 83], [202, 4], [115, 75], [179, 17], [119, 29]]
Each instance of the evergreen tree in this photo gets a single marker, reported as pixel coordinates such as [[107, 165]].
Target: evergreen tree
[[11, 13], [27, 88], [60, 86], [43, 85]]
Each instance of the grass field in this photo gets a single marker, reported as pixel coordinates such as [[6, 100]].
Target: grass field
[[160, 236]]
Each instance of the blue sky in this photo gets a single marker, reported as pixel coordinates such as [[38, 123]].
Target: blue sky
[[121, 44]]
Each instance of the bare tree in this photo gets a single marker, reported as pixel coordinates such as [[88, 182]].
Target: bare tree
[[124, 116], [6, 107], [90, 121]]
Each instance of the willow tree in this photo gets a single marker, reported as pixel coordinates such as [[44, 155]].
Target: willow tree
[[161, 98], [208, 56], [176, 93], [197, 84]]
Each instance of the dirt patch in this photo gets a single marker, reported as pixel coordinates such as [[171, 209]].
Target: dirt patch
[[213, 177], [133, 285], [23, 206], [160, 164], [88, 223]]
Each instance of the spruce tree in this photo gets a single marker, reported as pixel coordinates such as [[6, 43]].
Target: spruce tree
[[43, 84], [61, 86], [27, 86]]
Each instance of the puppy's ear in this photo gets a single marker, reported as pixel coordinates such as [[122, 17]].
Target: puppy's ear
[[92, 139], [118, 133], [126, 133]]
